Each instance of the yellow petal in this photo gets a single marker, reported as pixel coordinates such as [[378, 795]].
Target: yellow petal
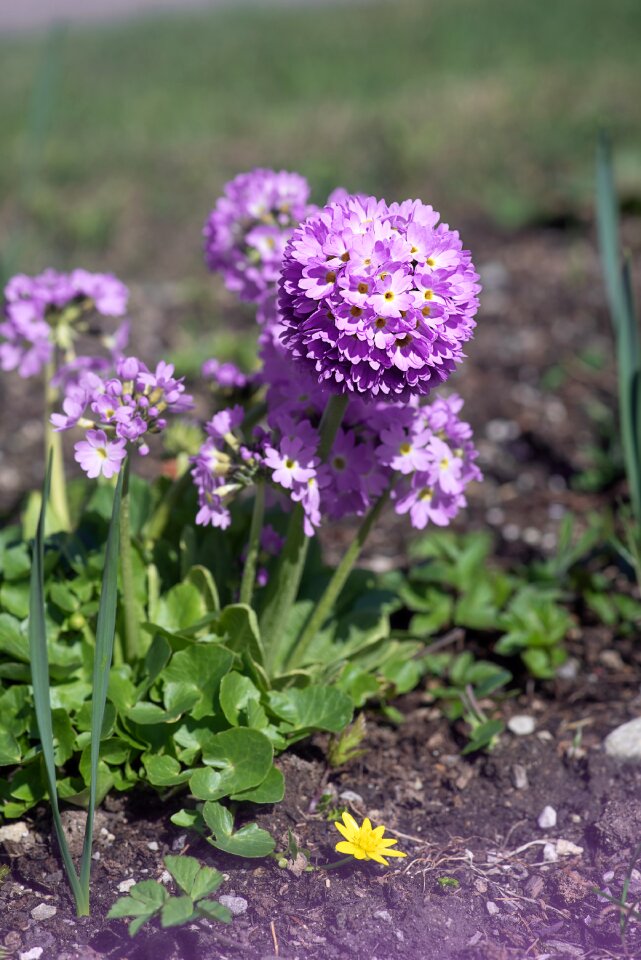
[[344, 846], [379, 859], [378, 833], [387, 841], [350, 823], [395, 853], [348, 834], [367, 826]]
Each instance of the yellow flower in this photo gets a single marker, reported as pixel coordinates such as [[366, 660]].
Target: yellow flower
[[365, 843]]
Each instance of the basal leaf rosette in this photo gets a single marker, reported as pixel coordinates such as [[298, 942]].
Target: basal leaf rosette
[[377, 300]]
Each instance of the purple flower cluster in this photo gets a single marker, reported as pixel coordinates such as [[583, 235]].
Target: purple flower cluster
[[225, 375], [247, 231], [377, 300], [123, 409], [34, 306], [421, 451]]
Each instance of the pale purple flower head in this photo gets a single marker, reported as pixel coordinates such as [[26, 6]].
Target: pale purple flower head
[[248, 229], [33, 305], [377, 300]]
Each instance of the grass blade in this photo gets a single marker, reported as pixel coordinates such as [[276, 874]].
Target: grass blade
[[41, 692], [105, 631], [619, 291]]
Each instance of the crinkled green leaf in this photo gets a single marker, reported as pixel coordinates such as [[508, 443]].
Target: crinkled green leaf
[[180, 607], [197, 669], [239, 625], [237, 692], [313, 708], [164, 771], [214, 911], [237, 760]]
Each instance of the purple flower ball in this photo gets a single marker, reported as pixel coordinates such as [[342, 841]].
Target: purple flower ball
[[247, 231], [377, 300]]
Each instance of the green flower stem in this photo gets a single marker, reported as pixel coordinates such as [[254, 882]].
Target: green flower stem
[[282, 590], [132, 651], [249, 572], [155, 526], [335, 585], [53, 442], [335, 864]]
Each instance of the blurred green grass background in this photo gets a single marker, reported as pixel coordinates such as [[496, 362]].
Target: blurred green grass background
[[488, 109]]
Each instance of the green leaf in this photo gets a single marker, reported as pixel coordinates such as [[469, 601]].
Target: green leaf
[[207, 881], [196, 671], [236, 693], [202, 579], [250, 841], [64, 736], [164, 771], [176, 911], [150, 892], [239, 625], [242, 758], [214, 911], [14, 597], [13, 642], [16, 562], [10, 751], [181, 607], [484, 735], [313, 708], [360, 685], [271, 790], [184, 870]]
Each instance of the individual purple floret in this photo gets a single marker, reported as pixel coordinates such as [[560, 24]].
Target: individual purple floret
[[248, 229], [98, 455], [38, 315], [377, 300]]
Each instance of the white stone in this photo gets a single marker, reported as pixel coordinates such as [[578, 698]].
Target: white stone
[[549, 853], [235, 905], [624, 743], [519, 777], [153, 845], [547, 818], [34, 954], [350, 796], [565, 848], [491, 908], [383, 915], [14, 832], [44, 911], [125, 885], [521, 725]]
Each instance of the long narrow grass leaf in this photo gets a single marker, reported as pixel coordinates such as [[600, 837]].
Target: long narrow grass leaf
[[105, 631], [40, 682], [608, 229]]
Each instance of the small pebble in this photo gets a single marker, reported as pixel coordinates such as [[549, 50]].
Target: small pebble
[[165, 877], [547, 818], [383, 915], [349, 796], [34, 954], [624, 743], [565, 848], [44, 911], [235, 905], [521, 725], [519, 777], [549, 853], [491, 908], [125, 885], [153, 845], [568, 670]]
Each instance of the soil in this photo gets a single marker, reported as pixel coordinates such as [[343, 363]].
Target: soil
[[531, 398]]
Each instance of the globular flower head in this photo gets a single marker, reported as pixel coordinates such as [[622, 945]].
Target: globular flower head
[[248, 229], [377, 300], [34, 307], [365, 842]]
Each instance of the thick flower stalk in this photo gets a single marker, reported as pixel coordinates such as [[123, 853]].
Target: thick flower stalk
[[377, 301]]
